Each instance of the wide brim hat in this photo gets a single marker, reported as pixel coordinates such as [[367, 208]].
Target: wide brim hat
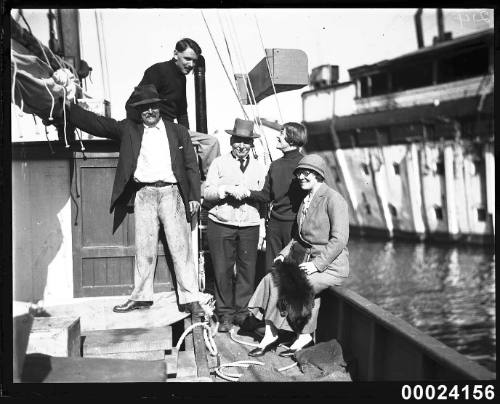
[[145, 94], [243, 128], [312, 162]]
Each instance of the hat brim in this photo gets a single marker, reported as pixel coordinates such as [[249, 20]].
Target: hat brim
[[147, 101], [252, 135], [309, 167]]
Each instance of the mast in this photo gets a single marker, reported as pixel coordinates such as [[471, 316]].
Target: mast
[[200, 95]]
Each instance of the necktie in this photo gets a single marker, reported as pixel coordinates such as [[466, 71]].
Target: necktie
[[244, 164]]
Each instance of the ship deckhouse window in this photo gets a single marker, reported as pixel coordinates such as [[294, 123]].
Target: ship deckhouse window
[[468, 63], [481, 215], [393, 210], [478, 167], [365, 168], [397, 169], [380, 84], [418, 74], [439, 170]]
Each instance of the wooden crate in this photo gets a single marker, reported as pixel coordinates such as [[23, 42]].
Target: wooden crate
[[55, 336]]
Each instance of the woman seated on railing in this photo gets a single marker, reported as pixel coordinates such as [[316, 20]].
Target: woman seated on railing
[[287, 298]]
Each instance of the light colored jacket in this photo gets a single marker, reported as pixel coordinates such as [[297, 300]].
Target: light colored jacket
[[325, 228], [225, 171]]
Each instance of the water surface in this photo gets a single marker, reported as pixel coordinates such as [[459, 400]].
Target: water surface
[[447, 291]]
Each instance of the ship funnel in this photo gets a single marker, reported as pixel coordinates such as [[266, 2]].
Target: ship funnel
[[442, 36], [418, 27]]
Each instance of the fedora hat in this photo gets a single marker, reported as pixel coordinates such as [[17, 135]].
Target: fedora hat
[[145, 94], [243, 128]]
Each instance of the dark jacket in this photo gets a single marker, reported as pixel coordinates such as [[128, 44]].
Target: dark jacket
[[282, 188], [171, 85], [129, 134]]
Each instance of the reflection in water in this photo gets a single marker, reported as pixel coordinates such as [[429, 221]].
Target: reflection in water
[[445, 291]]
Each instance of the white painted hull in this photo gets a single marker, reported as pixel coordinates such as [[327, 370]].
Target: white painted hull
[[437, 190]]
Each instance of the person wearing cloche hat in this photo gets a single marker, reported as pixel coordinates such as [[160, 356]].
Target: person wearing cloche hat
[[157, 169], [234, 222], [321, 243]]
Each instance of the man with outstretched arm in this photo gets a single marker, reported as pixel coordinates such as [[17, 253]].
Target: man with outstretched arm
[[157, 171]]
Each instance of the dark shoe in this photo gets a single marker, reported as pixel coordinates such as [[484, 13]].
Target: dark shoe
[[193, 308], [225, 325], [250, 323], [261, 351], [130, 305], [291, 352]]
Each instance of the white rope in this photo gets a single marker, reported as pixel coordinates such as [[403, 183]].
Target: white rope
[[223, 376], [268, 68], [223, 66], [231, 334], [64, 118], [287, 367], [212, 347], [14, 79], [78, 132], [209, 341], [233, 377], [249, 86], [43, 51], [53, 101]]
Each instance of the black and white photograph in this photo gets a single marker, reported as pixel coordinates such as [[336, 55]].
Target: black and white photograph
[[322, 210]]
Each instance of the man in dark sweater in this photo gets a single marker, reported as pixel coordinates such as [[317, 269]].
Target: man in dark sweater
[[169, 78], [282, 190]]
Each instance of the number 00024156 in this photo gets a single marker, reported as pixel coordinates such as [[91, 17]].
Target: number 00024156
[[445, 392]]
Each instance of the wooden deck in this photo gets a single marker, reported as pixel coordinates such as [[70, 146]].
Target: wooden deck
[[231, 351]]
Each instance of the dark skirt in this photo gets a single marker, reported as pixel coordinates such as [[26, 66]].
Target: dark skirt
[[263, 303]]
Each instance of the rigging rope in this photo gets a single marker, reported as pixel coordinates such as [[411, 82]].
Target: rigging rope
[[223, 66], [250, 91], [268, 68]]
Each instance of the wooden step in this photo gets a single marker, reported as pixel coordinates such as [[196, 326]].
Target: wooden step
[[39, 368], [171, 363], [55, 336], [129, 343], [186, 364]]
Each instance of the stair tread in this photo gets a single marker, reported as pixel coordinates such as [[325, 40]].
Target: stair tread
[[39, 368], [186, 364], [171, 363], [127, 340]]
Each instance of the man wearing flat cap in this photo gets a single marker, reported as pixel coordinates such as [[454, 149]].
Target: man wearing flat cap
[[233, 224], [158, 173]]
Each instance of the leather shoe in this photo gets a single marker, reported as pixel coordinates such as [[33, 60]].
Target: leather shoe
[[291, 352], [261, 351], [193, 308], [130, 305], [225, 325]]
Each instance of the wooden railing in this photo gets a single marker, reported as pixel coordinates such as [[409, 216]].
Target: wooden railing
[[379, 346]]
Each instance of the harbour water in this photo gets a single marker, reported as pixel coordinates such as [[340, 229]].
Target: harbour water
[[446, 291]]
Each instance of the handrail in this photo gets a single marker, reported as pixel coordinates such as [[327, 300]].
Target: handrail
[[436, 350]]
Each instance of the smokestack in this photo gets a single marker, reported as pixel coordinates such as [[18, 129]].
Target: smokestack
[[442, 35], [440, 25], [418, 27], [200, 95]]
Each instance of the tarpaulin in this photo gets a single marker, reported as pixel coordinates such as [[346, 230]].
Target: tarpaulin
[[34, 90]]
